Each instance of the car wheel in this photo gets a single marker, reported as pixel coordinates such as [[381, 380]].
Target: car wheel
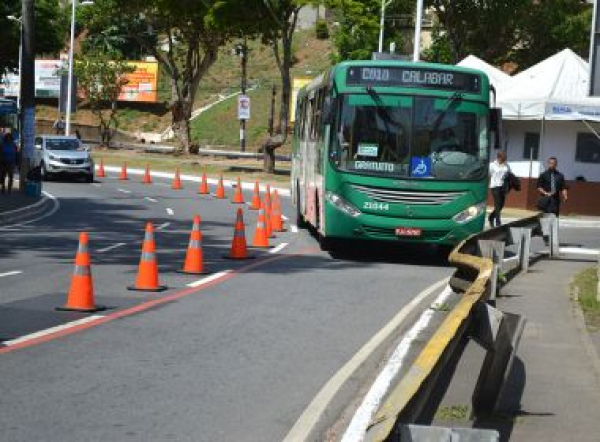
[[89, 178]]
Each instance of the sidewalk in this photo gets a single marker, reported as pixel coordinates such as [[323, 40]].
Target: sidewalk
[[18, 207], [553, 390], [510, 214]]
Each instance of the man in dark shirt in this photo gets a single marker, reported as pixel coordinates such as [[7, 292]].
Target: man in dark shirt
[[552, 185]]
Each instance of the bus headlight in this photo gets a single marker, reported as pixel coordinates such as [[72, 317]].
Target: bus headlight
[[341, 204], [469, 213]]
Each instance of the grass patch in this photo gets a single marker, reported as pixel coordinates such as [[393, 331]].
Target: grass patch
[[584, 289], [452, 413], [248, 170]]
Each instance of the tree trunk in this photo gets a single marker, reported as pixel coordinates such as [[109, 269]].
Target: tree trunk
[[269, 160], [286, 94], [181, 113]]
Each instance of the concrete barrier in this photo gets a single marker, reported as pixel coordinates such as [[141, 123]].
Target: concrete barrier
[[479, 261]]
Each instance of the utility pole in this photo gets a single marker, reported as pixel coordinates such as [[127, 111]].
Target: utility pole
[[27, 89], [418, 23], [242, 52]]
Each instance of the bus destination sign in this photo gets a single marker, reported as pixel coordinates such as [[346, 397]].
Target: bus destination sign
[[413, 78]]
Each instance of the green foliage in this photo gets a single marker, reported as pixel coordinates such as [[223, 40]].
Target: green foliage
[[440, 50], [322, 30], [101, 78], [550, 26], [50, 32], [357, 33]]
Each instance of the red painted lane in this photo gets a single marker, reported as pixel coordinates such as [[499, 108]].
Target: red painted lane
[[149, 304]]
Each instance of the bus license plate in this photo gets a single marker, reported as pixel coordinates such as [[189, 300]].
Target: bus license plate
[[409, 231]]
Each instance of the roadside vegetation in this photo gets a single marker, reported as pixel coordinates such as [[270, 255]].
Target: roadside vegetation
[[584, 289]]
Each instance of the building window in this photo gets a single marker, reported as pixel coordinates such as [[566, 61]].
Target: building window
[[588, 148], [531, 146]]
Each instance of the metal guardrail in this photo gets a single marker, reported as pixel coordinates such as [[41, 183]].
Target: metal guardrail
[[479, 261]]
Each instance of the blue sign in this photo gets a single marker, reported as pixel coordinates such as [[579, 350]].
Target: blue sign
[[420, 167]]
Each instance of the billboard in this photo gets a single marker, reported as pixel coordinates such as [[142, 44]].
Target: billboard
[[297, 84], [142, 82]]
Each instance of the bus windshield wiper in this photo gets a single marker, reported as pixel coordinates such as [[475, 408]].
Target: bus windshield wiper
[[381, 107], [456, 96]]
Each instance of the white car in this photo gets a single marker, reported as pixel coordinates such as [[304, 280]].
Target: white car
[[59, 154]]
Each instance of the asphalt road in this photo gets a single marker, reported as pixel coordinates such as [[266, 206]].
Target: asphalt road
[[235, 360]]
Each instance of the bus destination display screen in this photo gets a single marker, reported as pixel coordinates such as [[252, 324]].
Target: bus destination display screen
[[413, 78]]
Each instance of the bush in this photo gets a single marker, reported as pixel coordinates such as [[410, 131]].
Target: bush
[[322, 30]]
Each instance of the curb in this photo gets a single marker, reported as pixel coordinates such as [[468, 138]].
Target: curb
[[196, 179], [44, 204], [565, 222], [584, 334]]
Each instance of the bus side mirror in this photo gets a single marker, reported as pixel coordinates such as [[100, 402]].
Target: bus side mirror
[[496, 130], [329, 106]]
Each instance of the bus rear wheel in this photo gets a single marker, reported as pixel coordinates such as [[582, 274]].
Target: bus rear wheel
[[300, 221]]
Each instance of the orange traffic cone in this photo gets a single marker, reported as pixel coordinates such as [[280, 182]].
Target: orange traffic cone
[[255, 204], [220, 189], [261, 239], [276, 219], [176, 181], [147, 277], [101, 173], [81, 293], [239, 249], [147, 177], [203, 189], [123, 175], [238, 196], [267, 206], [194, 262], [268, 197]]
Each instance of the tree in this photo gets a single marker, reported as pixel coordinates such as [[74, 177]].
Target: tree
[[101, 78], [274, 21], [550, 26], [357, 26], [50, 31], [188, 44], [486, 28]]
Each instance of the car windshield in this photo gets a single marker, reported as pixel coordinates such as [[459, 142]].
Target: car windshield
[[412, 137], [63, 144]]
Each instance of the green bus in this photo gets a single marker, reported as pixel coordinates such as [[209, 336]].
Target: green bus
[[393, 150]]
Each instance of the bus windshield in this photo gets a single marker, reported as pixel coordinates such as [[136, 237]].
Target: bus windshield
[[411, 137]]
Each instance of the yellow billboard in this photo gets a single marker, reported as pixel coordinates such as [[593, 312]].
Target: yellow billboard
[[297, 84], [142, 83]]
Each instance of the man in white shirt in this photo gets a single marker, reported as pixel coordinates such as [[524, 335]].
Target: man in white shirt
[[499, 170]]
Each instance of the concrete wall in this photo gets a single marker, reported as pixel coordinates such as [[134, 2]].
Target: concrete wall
[[559, 140]]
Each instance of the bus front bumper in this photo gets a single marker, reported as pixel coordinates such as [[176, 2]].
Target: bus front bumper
[[376, 227]]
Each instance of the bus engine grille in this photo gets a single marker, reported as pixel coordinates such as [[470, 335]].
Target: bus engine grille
[[411, 197]]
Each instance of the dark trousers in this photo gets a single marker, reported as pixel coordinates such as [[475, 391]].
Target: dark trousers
[[6, 169], [499, 197]]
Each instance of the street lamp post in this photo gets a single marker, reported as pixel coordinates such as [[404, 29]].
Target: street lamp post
[[18, 20], [384, 4], [418, 22], [70, 79], [242, 51]]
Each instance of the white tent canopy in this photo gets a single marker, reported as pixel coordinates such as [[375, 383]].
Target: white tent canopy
[[499, 79], [554, 89]]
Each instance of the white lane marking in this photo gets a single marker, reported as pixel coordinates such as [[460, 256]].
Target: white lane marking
[[311, 415], [152, 200], [279, 248], [208, 279], [356, 431], [96, 184], [39, 218], [123, 190], [294, 228], [51, 330], [114, 246], [163, 226], [579, 251], [14, 272], [170, 211], [285, 218]]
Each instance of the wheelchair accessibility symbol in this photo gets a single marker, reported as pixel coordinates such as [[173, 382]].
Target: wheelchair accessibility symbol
[[420, 167]]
